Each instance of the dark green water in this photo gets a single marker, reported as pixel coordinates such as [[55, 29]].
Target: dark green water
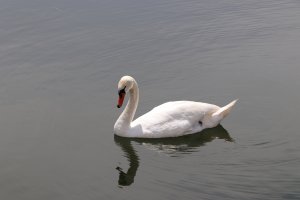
[[60, 62]]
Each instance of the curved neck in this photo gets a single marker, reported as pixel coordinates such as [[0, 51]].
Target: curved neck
[[127, 115]]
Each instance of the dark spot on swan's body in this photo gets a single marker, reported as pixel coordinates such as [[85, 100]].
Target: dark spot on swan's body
[[200, 122]]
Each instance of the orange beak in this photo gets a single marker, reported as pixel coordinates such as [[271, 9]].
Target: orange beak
[[121, 99]]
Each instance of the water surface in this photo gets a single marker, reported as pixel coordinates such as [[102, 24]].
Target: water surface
[[60, 62]]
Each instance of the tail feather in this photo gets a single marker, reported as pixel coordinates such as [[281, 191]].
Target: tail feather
[[224, 111]]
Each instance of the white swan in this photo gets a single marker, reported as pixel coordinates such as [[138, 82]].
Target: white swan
[[171, 119]]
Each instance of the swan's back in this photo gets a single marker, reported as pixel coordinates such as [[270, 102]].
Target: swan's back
[[172, 119]]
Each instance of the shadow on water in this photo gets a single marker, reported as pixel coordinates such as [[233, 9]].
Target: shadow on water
[[171, 146]]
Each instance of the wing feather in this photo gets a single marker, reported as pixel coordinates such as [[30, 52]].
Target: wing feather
[[172, 118]]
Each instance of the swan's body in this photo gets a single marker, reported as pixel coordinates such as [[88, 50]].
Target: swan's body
[[171, 119]]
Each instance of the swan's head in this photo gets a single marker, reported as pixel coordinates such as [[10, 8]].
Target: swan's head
[[124, 85]]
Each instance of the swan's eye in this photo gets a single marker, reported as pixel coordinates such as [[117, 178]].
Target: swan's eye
[[122, 91]]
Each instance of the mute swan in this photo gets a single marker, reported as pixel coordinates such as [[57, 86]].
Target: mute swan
[[171, 119]]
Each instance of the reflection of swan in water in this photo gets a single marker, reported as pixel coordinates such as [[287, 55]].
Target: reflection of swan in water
[[172, 146], [128, 177]]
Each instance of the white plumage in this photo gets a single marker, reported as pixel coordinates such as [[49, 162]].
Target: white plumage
[[171, 119]]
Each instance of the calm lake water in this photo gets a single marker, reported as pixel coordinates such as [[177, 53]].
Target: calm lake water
[[60, 62]]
